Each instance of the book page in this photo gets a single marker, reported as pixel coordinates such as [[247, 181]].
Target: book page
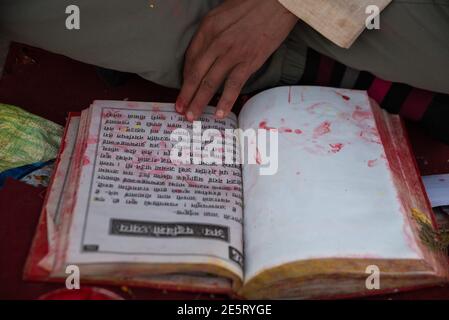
[[437, 188], [135, 205], [59, 188], [60, 181], [333, 195]]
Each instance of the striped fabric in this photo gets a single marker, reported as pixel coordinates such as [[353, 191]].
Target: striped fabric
[[432, 109]]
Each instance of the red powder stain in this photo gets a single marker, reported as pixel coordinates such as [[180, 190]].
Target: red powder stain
[[360, 115], [263, 125], [258, 157], [158, 171], [344, 97], [283, 130], [336, 147], [132, 104], [86, 161], [156, 128], [313, 106], [157, 109], [322, 129], [191, 183], [370, 135], [92, 140], [372, 163]]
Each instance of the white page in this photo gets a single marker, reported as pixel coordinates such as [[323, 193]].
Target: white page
[[437, 188], [333, 195], [142, 227]]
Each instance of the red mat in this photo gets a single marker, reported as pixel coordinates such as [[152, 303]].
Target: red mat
[[51, 85]]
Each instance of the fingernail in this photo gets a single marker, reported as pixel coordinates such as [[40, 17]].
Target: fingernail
[[189, 115], [219, 114], [179, 105]]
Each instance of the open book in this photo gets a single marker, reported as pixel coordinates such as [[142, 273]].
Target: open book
[[344, 198]]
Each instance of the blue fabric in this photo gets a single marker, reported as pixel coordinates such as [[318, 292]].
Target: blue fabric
[[20, 172]]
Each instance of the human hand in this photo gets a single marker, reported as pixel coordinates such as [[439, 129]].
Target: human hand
[[233, 41]]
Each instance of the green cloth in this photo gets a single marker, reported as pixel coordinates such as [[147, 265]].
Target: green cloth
[[26, 138]]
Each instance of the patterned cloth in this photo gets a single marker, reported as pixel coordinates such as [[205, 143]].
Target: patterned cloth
[[35, 174], [40, 177], [26, 138]]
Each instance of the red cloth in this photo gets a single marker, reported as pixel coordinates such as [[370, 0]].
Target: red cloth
[[51, 85]]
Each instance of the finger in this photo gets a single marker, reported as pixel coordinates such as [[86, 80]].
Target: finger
[[208, 87], [197, 44], [193, 77], [233, 86]]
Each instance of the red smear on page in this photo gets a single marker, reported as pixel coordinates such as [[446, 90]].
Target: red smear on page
[[258, 157], [312, 107], [92, 140], [157, 109], [283, 130], [343, 96], [191, 183], [132, 104], [322, 129], [370, 134], [360, 115], [336, 147], [263, 125], [156, 128], [372, 163], [86, 161]]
